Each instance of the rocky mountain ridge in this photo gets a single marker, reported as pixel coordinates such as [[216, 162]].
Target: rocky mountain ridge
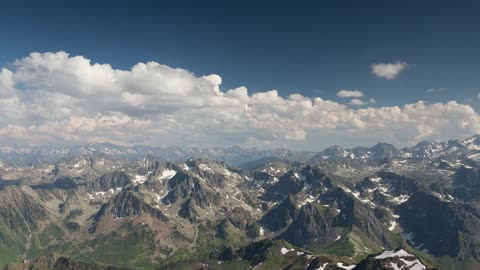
[[335, 210]]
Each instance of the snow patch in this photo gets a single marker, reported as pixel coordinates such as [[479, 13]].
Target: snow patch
[[414, 265], [163, 196], [401, 199], [139, 179], [392, 225], [285, 250], [205, 168], [411, 263], [323, 266], [393, 253], [343, 266], [300, 176], [167, 174]]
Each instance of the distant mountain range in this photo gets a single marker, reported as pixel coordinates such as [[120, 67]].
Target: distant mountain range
[[245, 157], [233, 155], [103, 206]]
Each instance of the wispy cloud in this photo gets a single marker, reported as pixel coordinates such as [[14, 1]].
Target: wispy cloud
[[436, 90], [349, 93]]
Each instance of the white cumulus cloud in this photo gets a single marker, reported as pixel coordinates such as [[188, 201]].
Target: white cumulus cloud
[[388, 71]]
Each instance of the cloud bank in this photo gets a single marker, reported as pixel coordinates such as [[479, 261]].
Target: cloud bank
[[55, 98]]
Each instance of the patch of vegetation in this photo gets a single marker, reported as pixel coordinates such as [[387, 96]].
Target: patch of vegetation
[[340, 248], [7, 255], [74, 214], [72, 226], [131, 250], [51, 232]]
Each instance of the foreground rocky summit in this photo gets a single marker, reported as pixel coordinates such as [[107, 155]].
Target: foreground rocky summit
[[361, 208], [54, 262]]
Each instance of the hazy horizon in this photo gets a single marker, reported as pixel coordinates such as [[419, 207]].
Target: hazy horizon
[[206, 147]]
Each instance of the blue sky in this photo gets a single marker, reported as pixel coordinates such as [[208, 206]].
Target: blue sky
[[314, 48]]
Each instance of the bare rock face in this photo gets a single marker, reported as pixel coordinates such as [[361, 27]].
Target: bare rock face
[[281, 215], [313, 224], [440, 226], [126, 204], [111, 180]]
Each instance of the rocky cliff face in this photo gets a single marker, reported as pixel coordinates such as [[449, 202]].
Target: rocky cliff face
[[111, 180], [126, 204], [314, 225], [440, 227], [280, 215]]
